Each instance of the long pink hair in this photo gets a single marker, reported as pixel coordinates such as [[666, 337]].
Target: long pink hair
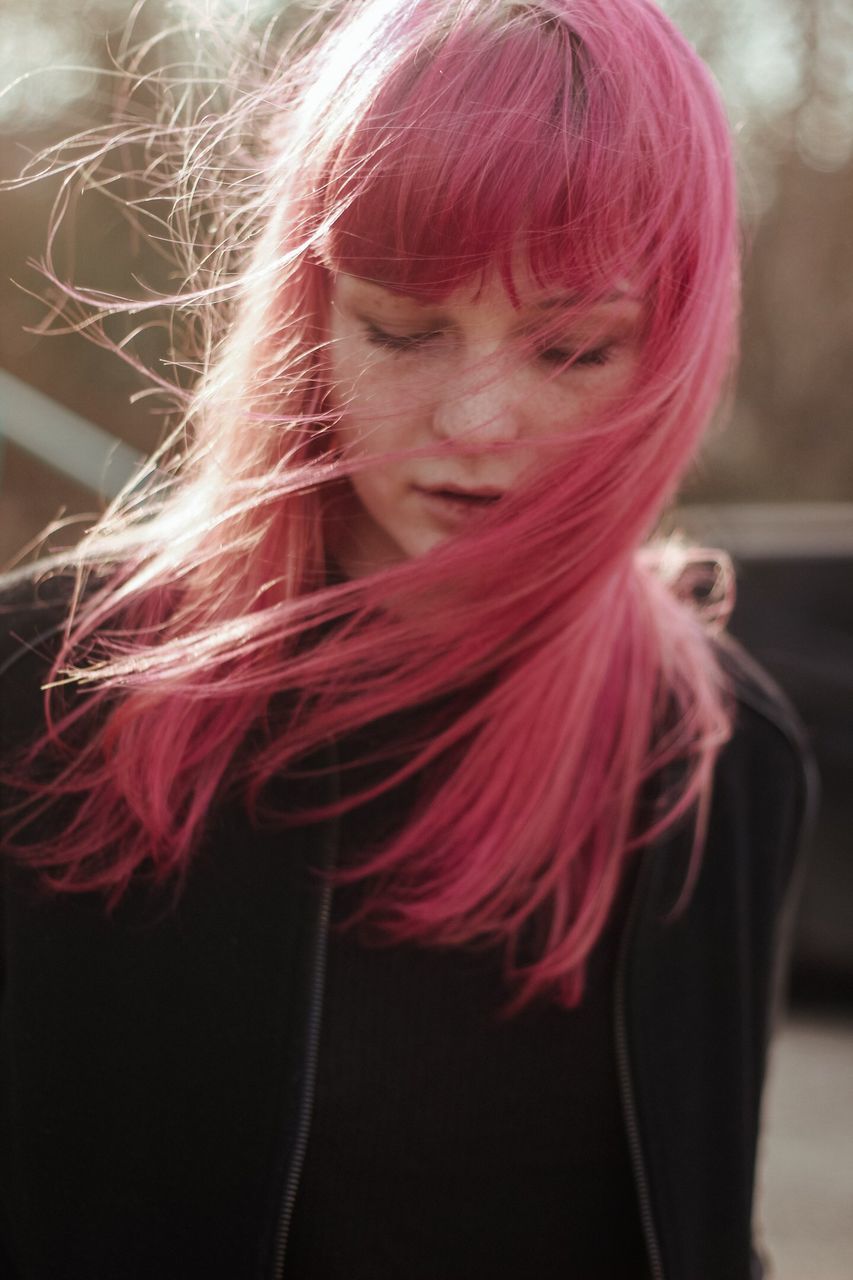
[[421, 143]]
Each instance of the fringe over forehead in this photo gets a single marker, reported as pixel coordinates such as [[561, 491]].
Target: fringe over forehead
[[584, 138]]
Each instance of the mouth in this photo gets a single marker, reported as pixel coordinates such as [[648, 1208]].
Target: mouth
[[482, 497], [451, 506]]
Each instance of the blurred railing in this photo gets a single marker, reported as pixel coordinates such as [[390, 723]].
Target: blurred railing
[[64, 440], [775, 530]]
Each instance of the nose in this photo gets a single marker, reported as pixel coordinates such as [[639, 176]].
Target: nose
[[480, 404]]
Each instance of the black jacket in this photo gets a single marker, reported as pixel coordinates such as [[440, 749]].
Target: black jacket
[[157, 1068]]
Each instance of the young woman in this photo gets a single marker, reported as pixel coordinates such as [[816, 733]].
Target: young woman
[[396, 852]]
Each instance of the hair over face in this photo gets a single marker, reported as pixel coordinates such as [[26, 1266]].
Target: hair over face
[[421, 144]]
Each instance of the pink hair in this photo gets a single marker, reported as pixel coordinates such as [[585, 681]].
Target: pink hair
[[420, 143]]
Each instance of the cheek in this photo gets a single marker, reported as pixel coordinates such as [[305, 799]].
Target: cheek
[[370, 426], [565, 407], [377, 414], [354, 399], [365, 432], [369, 490], [381, 495]]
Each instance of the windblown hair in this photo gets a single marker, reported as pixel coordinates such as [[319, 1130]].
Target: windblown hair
[[565, 660]]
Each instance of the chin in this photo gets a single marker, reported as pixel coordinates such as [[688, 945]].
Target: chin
[[414, 546]]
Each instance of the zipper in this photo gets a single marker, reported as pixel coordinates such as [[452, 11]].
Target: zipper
[[312, 1043], [626, 1083]]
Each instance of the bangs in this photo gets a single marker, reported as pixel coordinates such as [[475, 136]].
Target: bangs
[[493, 148]]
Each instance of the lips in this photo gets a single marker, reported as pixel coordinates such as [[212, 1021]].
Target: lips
[[456, 493], [452, 505]]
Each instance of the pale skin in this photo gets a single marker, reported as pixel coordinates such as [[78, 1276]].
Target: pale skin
[[476, 369]]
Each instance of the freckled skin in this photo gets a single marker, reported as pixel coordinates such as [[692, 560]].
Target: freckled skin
[[472, 370]]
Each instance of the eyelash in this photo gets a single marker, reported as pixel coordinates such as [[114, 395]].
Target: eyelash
[[397, 341], [596, 357]]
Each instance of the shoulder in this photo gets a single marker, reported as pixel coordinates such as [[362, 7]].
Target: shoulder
[[767, 728], [758, 697], [766, 786]]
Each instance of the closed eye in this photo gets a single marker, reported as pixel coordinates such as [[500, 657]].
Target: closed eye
[[559, 357], [398, 341]]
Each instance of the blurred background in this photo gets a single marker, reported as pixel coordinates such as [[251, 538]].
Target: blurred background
[[774, 486]]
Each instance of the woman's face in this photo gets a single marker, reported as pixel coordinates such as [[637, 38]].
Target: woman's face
[[473, 370]]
